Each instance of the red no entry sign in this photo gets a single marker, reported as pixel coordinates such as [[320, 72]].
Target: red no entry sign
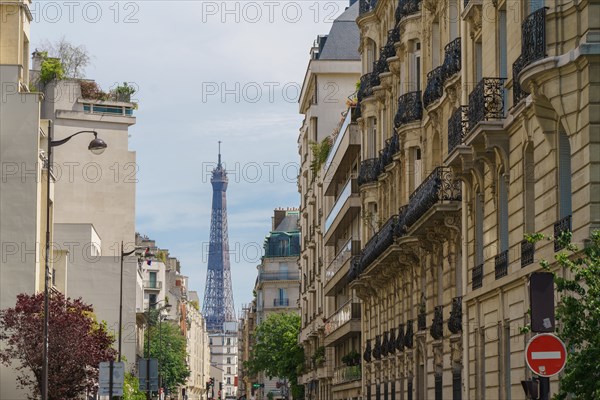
[[545, 355]]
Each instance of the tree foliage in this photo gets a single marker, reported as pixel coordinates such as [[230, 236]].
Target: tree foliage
[[74, 59], [131, 388], [168, 346], [51, 69], [76, 345], [578, 313], [276, 351]]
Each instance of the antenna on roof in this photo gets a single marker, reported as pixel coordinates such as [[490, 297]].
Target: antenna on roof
[[219, 152]]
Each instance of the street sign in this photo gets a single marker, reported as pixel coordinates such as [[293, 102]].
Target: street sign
[[142, 374], [546, 355], [118, 378]]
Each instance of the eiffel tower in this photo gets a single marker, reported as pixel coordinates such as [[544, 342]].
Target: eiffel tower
[[218, 296]]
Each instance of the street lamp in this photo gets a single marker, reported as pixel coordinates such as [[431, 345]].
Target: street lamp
[[150, 305], [96, 146]]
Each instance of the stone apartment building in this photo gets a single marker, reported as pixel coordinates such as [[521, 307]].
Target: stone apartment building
[[334, 64], [476, 127]]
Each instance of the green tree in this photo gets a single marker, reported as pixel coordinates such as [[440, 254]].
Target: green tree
[[276, 351], [131, 388], [168, 346], [578, 314]]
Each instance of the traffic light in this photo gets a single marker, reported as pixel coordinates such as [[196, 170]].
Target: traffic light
[[220, 386], [212, 382], [207, 386], [258, 385]]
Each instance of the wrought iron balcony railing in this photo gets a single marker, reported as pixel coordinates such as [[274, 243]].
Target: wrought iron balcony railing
[[392, 341], [452, 59], [458, 127], [385, 343], [281, 302], [439, 186], [379, 243], [410, 109], [527, 253], [369, 171], [367, 82], [477, 277], [349, 311], [367, 353], [377, 348], [435, 86], [386, 155], [501, 264], [400, 338], [422, 321], [533, 48], [562, 225], [380, 66], [406, 8], [486, 101], [455, 319], [437, 324], [366, 6], [533, 36], [408, 336]]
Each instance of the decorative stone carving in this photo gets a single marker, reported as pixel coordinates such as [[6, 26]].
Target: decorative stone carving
[[437, 324]]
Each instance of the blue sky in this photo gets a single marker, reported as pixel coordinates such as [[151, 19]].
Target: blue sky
[[206, 71]]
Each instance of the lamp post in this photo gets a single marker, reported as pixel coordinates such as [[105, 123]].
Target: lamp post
[[96, 146], [150, 305]]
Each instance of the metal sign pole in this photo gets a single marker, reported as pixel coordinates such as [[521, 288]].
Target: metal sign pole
[[110, 380]]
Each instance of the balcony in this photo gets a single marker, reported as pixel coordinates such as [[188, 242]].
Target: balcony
[[345, 209], [435, 86], [458, 127], [563, 225], [439, 188], [341, 262], [278, 276], [343, 152], [437, 324], [501, 264], [378, 244], [386, 155], [406, 8], [152, 285], [410, 109], [477, 277], [422, 321], [452, 59], [527, 253], [347, 374], [369, 171], [486, 102], [367, 82], [107, 108], [366, 6], [344, 323], [455, 319], [281, 302]]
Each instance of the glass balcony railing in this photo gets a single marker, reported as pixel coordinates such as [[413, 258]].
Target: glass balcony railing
[[339, 203], [339, 138], [278, 276], [152, 285], [349, 311], [347, 374], [339, 260]]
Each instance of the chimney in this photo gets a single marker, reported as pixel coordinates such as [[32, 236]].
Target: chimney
[[36, 58], [278, 216]]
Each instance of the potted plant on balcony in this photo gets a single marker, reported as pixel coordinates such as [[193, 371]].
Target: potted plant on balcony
[[319, 356], [124, 92]]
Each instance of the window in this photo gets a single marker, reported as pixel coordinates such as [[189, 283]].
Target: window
[[371, 138], [416, 172], [228, 360], [478, 229], [152, 282], [228, 340], [478, 61], [152, 300], [228, 371], [534, 5], [228, 380], [564, 174], [454, 16], [435, 44], [415, 68], [503, 212]]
